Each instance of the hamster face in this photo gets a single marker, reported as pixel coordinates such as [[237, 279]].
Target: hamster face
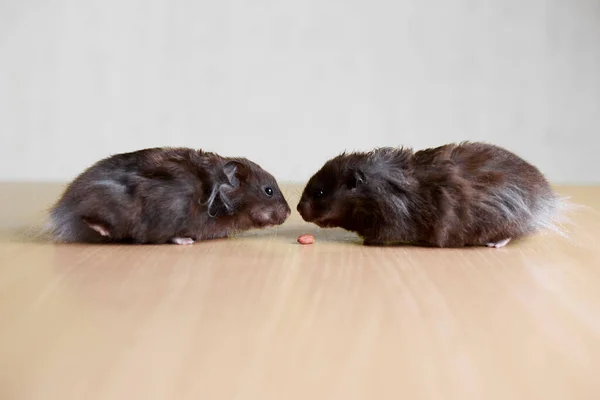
[[335, 196], [255, 194], [359, 191]]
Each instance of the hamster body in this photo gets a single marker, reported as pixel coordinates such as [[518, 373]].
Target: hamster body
[[465, 194], [167, 195]]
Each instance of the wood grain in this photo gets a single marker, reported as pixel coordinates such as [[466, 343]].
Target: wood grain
[[262, 317]]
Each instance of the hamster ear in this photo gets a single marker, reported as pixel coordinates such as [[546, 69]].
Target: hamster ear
[[355, 178], [235, 172], [219, 203]]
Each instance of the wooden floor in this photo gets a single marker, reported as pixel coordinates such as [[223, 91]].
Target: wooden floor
[[261, 317]]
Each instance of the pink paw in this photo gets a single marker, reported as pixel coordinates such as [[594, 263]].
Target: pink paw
[[499, 244], [179, 240], [100, 229]]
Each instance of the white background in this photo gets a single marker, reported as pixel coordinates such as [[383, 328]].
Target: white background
[[291, 83]]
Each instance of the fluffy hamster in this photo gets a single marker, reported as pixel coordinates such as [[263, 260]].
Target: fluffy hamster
[[163, 195], [465, 194]]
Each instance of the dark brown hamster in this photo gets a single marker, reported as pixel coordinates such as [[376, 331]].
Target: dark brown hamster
[[466, 194], [167, 195]]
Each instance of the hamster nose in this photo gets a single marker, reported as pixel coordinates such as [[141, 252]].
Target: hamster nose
[[303, 210], [284, 213]]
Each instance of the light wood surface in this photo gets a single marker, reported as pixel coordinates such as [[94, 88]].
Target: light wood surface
[[262, 317]]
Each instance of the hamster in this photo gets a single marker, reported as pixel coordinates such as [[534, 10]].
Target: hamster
[[455, 195], [167, 195]]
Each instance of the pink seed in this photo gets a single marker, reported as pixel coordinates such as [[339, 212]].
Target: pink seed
[[306, 239]]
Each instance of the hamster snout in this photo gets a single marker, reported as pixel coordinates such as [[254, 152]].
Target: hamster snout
[[314, 213], [281, 214], [271, 216], [305, 210]]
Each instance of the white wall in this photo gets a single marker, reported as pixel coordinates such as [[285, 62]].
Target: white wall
[[292, 83]]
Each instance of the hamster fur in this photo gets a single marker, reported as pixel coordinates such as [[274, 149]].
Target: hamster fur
[[465, 194], [167, 195]]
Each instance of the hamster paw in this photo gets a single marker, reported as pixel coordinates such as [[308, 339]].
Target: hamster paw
[[498, 244], [100, 229], [179, 240]]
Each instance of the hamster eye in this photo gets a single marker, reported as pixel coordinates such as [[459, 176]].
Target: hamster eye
[[318, 193], [269, 191]]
